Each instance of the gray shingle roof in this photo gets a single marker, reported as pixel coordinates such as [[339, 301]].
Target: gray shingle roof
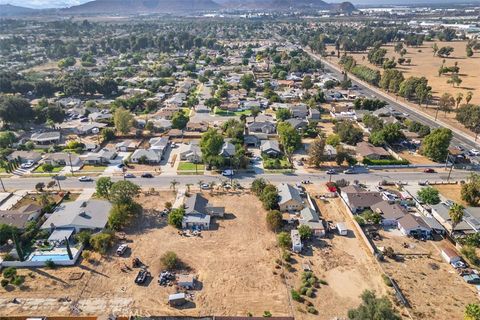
[[288, 192]]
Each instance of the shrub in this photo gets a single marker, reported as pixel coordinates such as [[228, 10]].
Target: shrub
[[18, 280], [86, 254], [321, 281], [267, 314], [274, 220], [286, 255], [101, 242], [9, 273], [296, 296], [4, 283], [309, 292], [50, 264], [385, 162], [175, 217], [312, 310], [303, 290], [471, 255], [387, 280], [170, 260], [284, 240]]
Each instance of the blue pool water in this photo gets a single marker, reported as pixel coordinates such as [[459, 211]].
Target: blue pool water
[[53, 257]]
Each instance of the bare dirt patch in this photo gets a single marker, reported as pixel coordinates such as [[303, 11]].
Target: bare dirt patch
[[452, 192]]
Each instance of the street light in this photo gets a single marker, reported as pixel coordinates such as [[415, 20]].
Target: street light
[[70, 159]]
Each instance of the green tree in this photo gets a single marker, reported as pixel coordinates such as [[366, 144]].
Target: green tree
[[274, 220], [373, 308], [472, 311], [211, 144], [179, 120], [123, 120], [108, 134], [435, 145], [456, 214], [283, 114], [14, 109], [333, 140], [118, 216], [471, 190], [305, 232], [6, 139], [83, 237], [284, 240], [6, 232], [175, 217], [47, 167], [307, 82], [348, 132], [102, 241], [289, 138], [258, 185], [123, 192], [429, 195], [103, 187], [247, 81], [316, 152]]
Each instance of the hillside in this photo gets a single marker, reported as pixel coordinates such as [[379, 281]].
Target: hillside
[[286, 5], [141, 6], [10, 10]]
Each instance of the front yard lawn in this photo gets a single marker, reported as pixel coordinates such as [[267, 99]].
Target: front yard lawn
[[93, 168], [224, 113], [189, 166], [39, 169]]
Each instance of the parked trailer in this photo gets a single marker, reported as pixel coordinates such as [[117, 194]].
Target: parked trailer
[[342, 228]]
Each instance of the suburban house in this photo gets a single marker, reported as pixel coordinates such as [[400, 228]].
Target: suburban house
[[198, 212], [297, 245], [299, 111], [314, 114], [79, 215], [63, 159], [228, 149], [359, 199], [197, 126], [330, 152], [20, 217], [24, 156], [127, 145], [271, 148], [103, 156], [411, 225], [391, 212], [289, 198], [369, 151], [190, 152], [99, 116], [261, 127], [159, 144], [46, 138], [147, 156], [309, 217], [469, 224], [89, 128], [297, 124]]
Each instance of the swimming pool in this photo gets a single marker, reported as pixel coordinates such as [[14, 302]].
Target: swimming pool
[[46, 257]]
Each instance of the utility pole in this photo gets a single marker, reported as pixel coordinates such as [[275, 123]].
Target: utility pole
[[3, 187], [70, 159], [58, 181]]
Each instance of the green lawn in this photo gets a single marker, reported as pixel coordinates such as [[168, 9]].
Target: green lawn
[[39, 169], [189, 166], [223, 113], [92, 168]]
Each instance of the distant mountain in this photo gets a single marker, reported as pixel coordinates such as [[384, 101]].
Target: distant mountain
[[286, 5], [141, 6], [7, 10]]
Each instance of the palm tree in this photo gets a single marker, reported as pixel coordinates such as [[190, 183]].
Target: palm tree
[[173, 184], [212, 186], [188, 185], [458, 99], [469, 97], [200, 182], [456, 214]]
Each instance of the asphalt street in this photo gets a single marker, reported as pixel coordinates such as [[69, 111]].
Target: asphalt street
[[163, 181]]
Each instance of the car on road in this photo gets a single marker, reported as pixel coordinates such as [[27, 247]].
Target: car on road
[[85, 179], [349, 171], [205, 186], [228, 173], [129, 175], [331, 171], [429, 170], [27, 164], [121, 249], [59, 177], [147, 175], [142, 276], [474, 152]]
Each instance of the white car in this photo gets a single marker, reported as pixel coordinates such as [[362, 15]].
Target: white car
[[121, 249], [205, 186], [85, 179], [475, 152], [228, 173], [27, 164]]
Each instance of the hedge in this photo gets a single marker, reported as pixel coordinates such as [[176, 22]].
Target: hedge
[[367, 74], [384, 162]]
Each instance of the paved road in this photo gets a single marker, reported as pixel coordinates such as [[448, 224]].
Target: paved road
[[163, 181], [459, 137]]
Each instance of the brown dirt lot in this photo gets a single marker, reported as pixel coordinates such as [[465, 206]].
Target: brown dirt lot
[[234, 264], [415, 158], [452, 192], [431, 286]]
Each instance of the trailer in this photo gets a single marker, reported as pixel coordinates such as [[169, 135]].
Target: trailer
[[342, 228]]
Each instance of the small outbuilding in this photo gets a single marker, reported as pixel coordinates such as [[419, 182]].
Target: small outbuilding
[[342, 228], [177, 299], [297, 245], [186, 281], [450, 255]]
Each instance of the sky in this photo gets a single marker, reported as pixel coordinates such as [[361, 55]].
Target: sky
[[69, 3]]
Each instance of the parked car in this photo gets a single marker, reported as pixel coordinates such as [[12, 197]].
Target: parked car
[[142, 276], [85, 179], [205, 186], [228, 173], [349, 171], [129, 175], [331, 171], [458, 265], [121, 249], [429, 170], [147, 175], [474, 152], [27, 164]]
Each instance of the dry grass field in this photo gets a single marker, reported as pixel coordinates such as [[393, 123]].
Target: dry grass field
[[425, 64], [452, 192], [234, 264], [431, 286]]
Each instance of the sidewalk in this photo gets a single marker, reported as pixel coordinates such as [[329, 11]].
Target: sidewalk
[[16, 196]]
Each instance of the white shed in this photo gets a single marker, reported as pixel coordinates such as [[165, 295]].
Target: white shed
[[186, 281], [297, 245], [449, 255], [342, 228]]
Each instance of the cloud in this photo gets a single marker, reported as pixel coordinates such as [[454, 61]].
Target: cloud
[[41, 4]]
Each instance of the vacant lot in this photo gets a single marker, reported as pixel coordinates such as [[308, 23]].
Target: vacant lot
[[431, 286], [452, 192], [234, 264], [343, 263]]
